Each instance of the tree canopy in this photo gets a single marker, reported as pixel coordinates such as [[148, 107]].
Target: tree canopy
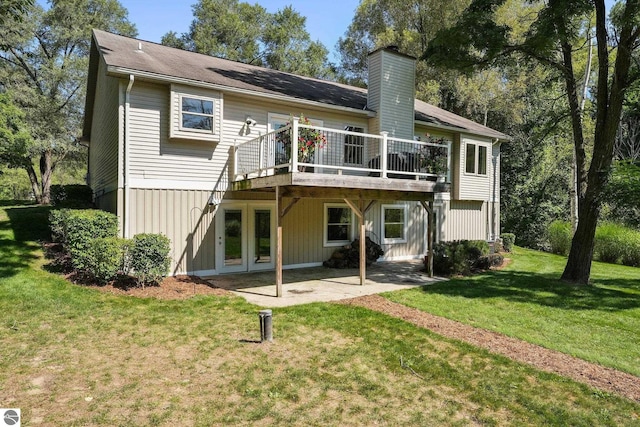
[[43, 66], [248, 33]]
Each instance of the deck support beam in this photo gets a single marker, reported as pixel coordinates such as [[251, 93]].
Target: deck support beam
[[359, 210], [279, 216], [428, 206]]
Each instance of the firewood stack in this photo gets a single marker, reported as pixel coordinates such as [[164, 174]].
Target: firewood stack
[[348, 256]]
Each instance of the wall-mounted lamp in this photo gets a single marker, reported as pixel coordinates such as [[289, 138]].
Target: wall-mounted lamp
[[250, 122]]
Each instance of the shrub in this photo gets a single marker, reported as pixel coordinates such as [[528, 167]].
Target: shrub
[[149, 257], [631, 256], [81, 226], [508, 240], [559, 234], [105, 257], [57, 221], [458, 257], [485, 262], [72, 196], [610, 242]]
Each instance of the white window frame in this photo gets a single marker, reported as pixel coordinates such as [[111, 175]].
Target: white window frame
[[212, 116], [325, 232], [476, 159], [405, 229]]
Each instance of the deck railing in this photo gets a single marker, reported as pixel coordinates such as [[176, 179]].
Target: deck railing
[[340, 152]]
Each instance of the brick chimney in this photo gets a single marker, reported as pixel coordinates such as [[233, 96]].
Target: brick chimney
[[391, 92]]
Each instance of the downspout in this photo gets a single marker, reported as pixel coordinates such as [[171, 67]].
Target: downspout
[[127, 106], [493, 191]]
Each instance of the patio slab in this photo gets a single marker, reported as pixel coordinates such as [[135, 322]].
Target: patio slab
[[320, 284]]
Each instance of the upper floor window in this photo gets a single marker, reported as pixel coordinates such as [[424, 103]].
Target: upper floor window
[[476, 159], [354, 146], [196, 114]]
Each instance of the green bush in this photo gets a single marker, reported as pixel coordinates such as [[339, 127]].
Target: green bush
[[560, 234], [631, 256], [72, 196], [149, 257], [485, 262], [105, 257], [458, 257], [57, 221], [508, 240], [610, 242], [81, 226]]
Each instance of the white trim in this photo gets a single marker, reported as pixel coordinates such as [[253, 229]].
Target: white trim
[[405, 228], [330, 244], [171, 184], [181, 112]]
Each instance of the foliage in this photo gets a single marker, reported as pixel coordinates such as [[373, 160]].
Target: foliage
[[480, 40], [149, 257], [43, 66], [559, 236], [247, 33], [79, 227], [485, 262], [105, 257], [57, 224], [309, 140], [622, 196], [617, 244], [71, 196], [508, 240], [458, 257]]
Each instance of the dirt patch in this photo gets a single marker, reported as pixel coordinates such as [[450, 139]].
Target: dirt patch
[[171, 288], [542, 358]]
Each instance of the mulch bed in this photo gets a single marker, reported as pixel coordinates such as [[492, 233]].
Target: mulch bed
[[542, 358]]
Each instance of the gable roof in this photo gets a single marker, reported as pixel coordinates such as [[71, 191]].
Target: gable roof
[[124, 56]]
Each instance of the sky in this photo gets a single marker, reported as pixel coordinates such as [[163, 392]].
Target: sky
[[327, 20]]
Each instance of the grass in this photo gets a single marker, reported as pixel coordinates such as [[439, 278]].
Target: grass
[[75, 356], [599, 323]]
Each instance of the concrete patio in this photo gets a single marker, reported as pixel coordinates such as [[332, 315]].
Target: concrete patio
[[320, 284]]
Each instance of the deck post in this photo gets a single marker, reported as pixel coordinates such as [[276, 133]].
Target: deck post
[[428, 206], [363, 245], [294, 144], [383, 153], [278, 242]]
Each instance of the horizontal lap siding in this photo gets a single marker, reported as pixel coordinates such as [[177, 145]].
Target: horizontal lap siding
[[103, 147], [474, 187]]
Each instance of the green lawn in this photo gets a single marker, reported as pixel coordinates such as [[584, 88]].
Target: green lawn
[[76, 356], [599, 323]]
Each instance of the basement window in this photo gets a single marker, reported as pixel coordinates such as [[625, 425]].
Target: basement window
[[394, 223], [338, 224]]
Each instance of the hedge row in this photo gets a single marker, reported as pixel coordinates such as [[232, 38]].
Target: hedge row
[[90, 237], [463, 257], [614, 243]]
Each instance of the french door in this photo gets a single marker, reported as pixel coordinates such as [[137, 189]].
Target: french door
[[245, 237]]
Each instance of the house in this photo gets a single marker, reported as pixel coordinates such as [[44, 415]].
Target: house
[[194, 147]]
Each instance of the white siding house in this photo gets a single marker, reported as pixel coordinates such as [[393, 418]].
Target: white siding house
[[188, 145]]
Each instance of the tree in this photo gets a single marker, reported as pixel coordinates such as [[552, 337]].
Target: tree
[[43, 63], [247, 33], [552, 38]]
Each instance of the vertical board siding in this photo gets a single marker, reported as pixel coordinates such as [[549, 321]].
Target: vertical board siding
[[103, 147], [464, 220], [185, 218]]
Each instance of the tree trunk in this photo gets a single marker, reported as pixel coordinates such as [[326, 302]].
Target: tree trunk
[[609, 109], [33, 179], [46, 170]]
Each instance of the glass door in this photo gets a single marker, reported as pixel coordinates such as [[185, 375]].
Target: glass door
[[231, 231], [262, 234]]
